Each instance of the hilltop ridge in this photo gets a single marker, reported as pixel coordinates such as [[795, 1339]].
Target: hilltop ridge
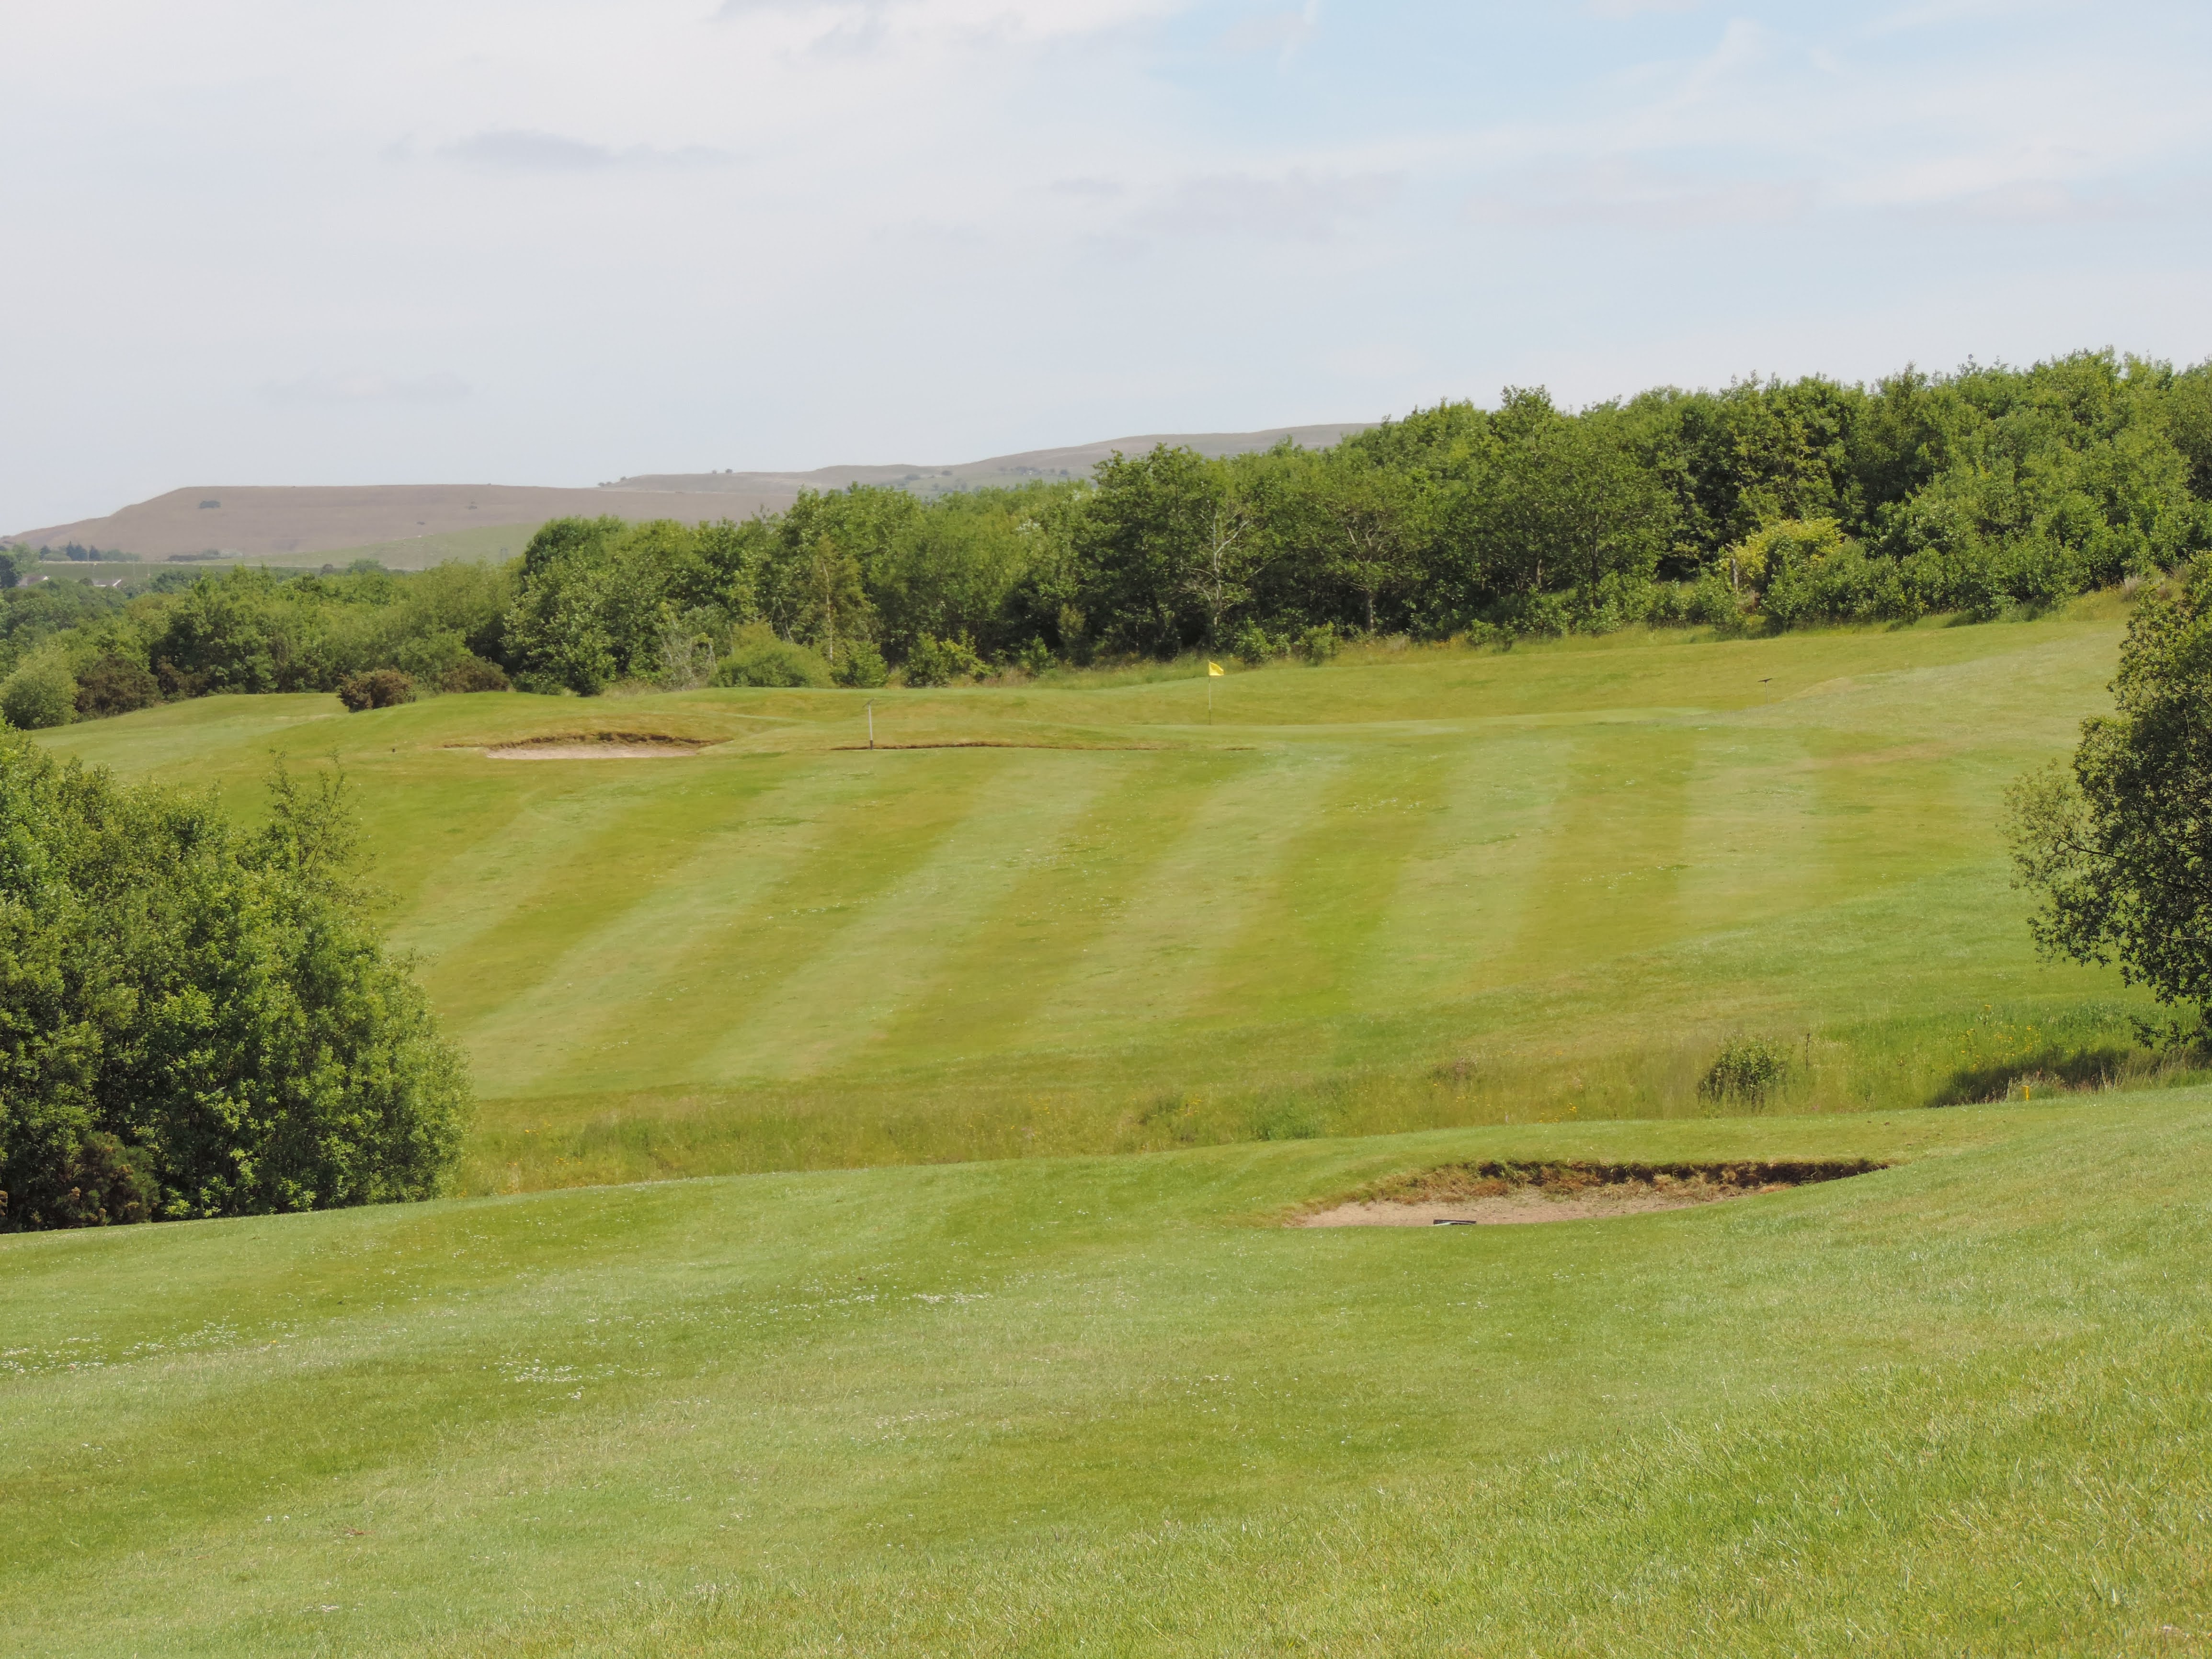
[[257, 522], [1071, 461]]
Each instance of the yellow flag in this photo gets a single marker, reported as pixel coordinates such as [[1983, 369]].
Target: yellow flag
[[1213, 668]]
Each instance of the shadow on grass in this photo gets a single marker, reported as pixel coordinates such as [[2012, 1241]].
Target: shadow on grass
[[2055, 1069]]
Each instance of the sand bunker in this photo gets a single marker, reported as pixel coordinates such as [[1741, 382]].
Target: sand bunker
[[594, 745], [1503, 1194]]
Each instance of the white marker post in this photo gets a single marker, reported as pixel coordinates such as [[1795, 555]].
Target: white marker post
[[871, 726]]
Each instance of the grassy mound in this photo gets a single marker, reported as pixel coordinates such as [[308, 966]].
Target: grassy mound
[[1959, 1404]]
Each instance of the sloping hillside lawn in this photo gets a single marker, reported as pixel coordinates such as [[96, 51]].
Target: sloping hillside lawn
[[1421, 888], [1104, 1405]]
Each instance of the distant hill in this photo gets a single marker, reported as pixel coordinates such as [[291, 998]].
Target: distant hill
[[262, 522], [285, 523], [1074, 461]]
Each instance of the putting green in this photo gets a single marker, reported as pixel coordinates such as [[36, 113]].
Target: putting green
[[1416, 889]]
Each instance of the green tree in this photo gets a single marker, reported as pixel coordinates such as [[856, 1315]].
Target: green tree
[[226, 634], [833, 594], [558, 633], [812, 593], [1357, 524], [952, 569], [201, 1018], [2117, 846], [557, 637], [41, 692], [1566, 502], [1146, 539]]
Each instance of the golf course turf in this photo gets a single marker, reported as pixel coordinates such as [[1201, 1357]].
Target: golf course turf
[[1111, 1405], [1425, 888], [997, 1072]]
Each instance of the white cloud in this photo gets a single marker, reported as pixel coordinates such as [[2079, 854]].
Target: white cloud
[[790, 231], [1620, 191], [1295, 206], [1281, 33], [319, 387], [507, 150]]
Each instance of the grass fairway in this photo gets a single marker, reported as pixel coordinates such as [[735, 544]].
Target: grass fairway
[[1101, 1406], [1433, 888]]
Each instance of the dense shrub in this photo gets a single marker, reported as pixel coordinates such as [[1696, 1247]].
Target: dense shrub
[[1843, 585], [759, 657], [198, 1019], [940, 662], [97, 1183], [114, 684], [41, 692], [862, 666], [1747, 1070], [380, 688], [474, 675]]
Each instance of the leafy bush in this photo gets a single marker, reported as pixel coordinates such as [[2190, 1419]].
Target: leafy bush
[[1035, 658], [1845, 586], [115, 685], [427, 658], [199, 1020], [939, 662], [862, 666], [1252, 645], [759, 657], [380, 688], [2115, 845], [98, 1183], [1317, 645], [1747, 1070], [474, 675], [40, 693]]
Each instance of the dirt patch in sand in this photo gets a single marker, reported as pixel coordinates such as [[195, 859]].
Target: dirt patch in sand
[[592, 746], [1503, 1194]]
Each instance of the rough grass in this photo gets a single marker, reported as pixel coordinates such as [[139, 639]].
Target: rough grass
[[1418, 888], [1104, 1406]]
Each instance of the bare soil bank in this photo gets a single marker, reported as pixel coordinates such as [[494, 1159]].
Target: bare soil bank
[[1494, 1195], [593, 745]]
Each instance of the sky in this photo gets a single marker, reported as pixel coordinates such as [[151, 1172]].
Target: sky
[[325, 241]]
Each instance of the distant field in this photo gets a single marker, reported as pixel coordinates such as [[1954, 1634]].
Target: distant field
[[1963, 1405], [1433, 888], [490, 542]]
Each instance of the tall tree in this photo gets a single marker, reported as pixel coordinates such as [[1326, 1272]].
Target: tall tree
[[1148, 530], [1566, 502], [2117, 846]]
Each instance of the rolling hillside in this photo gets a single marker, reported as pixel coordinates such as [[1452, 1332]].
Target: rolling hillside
[[1426, 888], [1422, 909]]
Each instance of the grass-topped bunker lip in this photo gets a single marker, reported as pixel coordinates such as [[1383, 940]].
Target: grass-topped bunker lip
[[589, 745], [1495, 1194]]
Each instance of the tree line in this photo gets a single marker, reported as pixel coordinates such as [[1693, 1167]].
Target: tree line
[[1767, 505]]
